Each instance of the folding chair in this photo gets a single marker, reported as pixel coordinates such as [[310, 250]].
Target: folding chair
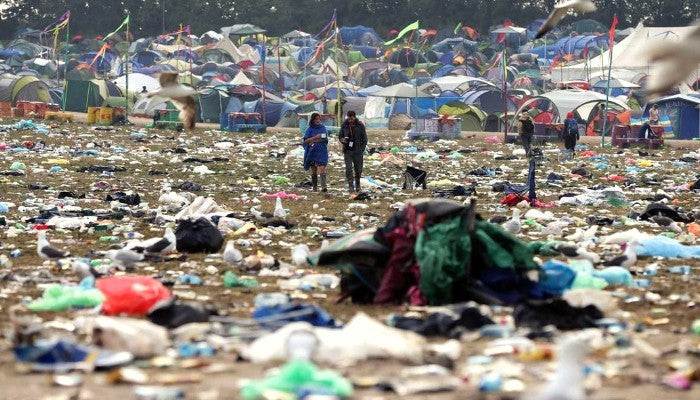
[[414, 177]]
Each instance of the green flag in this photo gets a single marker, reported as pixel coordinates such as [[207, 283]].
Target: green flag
[[404, 31], [457, 28], [126, 21]]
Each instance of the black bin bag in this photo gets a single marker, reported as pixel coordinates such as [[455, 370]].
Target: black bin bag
[[198, 236]]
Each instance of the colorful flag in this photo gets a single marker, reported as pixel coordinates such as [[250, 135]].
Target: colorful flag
[[457, 28], [124, 23], [612, 32], [404, 31]]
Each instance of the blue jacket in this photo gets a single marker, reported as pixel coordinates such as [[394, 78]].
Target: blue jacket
[[571, 127], [315, 153]]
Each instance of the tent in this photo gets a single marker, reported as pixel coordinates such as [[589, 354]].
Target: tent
[[15, 88], [137, 82], [359, 35], [629, 54], [275, 111], [210, 104], [401, 90], [561, 102], [145, 106], [683, 113], [472, 117], [489, 100], [93, 93]]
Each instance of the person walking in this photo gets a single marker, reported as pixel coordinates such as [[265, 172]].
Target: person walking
[[316, 151], [570, 134], [353, 137], [526, 129]]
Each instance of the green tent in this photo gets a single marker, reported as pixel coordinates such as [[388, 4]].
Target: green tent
[[93, 93], [15, 88], [472, 117]]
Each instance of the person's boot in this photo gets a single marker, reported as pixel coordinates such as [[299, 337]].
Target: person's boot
[[323, 183], [314, 182], [357, 184], [351, 188]]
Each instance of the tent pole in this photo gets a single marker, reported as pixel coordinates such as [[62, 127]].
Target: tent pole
[[279, 66], [262, 79], [65, 67], [126, 65], [338, 112], [607, 93]]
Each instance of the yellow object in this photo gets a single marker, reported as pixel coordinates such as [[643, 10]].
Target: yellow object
[[92, 113], [105, 116], [56, 161], [248, 227], [59, 116], [442, 182]]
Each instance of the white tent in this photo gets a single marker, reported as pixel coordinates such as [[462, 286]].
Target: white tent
[[629, 54], [402, 90], [137, 81], [241, 79], [452, 82], [564, 101]]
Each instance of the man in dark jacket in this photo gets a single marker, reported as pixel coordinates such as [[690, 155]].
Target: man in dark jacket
[[353, 137], [526, 129]]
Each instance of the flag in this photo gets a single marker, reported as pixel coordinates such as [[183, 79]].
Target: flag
[[60, 22], [555, 61], [404, 31], [457, 28], [612, 32], [124, 23]]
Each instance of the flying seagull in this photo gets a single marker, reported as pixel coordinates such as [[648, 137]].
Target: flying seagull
[[675, 62], [45, 251], [181, 96], [560, 10]]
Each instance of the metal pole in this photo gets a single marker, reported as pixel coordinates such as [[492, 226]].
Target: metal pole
[[65, 67], [338, 112], [262, 79], [162, 23], [505, 100], [126, 107], [279, 66]]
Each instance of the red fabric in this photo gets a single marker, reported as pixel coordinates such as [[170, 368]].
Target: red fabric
[[611, 34], [513, 199], [130, 295], [569, 115]]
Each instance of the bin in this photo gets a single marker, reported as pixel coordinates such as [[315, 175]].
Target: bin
[[223, 121], [92, 114], [106, 114]]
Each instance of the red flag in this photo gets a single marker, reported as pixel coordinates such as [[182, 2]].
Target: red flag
[[555, 61], [612, 31]]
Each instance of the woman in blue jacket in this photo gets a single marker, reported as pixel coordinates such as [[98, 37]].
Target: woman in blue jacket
[[316, 151]]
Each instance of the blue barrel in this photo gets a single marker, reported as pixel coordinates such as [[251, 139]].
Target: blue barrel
[[223, 121]]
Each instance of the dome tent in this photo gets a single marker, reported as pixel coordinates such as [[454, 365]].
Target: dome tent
[[472, 117]]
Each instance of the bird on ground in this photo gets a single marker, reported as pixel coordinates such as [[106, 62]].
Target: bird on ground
[[124, 258], [579, 253], [667, 223], [627, 259], [260, 216], [232, 255], [675, 61], [164, 245], [83, 269], [181, 96], [279, 210], [513, 225], [45, 251], [560, 10], [581, 236], [568, 382]]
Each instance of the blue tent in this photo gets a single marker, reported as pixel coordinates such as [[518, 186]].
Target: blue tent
[[359, 35], [572, 45], [274, 110], [683, 113]]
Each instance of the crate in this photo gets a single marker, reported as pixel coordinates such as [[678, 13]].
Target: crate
[[5, 105], [92, 114], [5, 112], [57, 115], [17, 112]]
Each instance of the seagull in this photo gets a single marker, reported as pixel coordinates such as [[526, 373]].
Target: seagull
[[181, 96], [84, 270], [578, 253], [45, 251], [124, 258], [627, 259], [568, 382], [164, 245], [513, 225], [279, 210], [260, 216], [675, 62], [581, 236], [560, 10], [667, 223], [232, 255]]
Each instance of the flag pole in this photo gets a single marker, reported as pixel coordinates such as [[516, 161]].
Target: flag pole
[[126, 107], [338, 111], [505, 95], [262, 80], [65, 66], [607, 88]]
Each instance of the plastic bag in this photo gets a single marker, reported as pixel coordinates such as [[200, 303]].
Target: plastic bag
[[198, 236], [130, 295]]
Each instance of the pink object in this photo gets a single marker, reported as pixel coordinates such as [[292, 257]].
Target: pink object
[[493, 139], [282, 195], [130, 295], [3, 146], [677, 381]]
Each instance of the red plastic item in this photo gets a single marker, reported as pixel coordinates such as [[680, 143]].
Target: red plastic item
[[587, 153], [130, 295], [41, 227], [28, 144]]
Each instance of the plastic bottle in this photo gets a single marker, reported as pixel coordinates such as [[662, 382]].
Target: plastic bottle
[[15, 253], [270, 299], [680, 269], [491, 382], [695, 326], [111, 239], [232, 280]]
